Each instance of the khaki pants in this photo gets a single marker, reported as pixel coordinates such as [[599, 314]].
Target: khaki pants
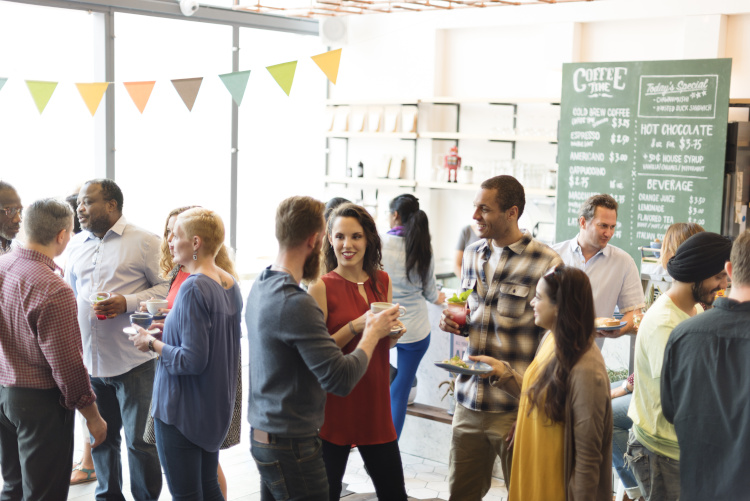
[[478, 438]]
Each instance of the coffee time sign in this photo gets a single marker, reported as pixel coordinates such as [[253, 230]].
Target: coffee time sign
[[651, 134]]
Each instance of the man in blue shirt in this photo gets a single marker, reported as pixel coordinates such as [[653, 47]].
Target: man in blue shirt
[[294, 360], [615, 280]]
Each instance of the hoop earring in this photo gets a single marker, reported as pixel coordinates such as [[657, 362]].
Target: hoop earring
[[195, 256]]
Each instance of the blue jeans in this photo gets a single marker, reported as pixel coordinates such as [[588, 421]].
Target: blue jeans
[[409, 356], [190, 470], [36, 444], [657, 476], [291, 469], [622, 425], [123, 402]]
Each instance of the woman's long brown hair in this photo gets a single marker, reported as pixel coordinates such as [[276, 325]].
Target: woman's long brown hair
[[569, 289], [373, 255]]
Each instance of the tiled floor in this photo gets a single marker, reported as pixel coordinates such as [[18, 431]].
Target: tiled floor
[[425, 479]]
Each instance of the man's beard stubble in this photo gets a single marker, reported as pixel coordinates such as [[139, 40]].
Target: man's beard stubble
[[311, 269]]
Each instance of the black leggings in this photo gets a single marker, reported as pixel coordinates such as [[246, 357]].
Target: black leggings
[[383, 464]]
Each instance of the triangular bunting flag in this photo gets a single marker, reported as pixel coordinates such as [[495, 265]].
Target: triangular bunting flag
[[2, 82], [92, 94], [188, 89], [329, 63], [139, 93], [283, 74], [41, 92], [236, 84]]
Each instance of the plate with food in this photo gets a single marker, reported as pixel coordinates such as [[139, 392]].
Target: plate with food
[[458, 366], [131, 331], [608, 324]]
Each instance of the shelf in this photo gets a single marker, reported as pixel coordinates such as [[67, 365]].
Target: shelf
[[454, 136], [490, 100], [372, 102], [382, 135], [369, 181], [475, 187]]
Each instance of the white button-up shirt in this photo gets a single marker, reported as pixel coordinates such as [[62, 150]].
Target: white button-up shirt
[[614, 277], [125, 261]]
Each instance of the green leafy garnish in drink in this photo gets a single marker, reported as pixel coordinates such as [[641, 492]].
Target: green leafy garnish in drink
[[461, 298]]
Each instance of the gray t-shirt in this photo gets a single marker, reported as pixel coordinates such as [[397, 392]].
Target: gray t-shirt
[[466, 238], [293, 359]]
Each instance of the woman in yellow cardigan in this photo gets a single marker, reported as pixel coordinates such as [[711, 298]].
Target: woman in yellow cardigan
[[563, 437]]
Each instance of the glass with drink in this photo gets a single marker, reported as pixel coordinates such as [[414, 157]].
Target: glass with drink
[[458, 313], [97, 297]]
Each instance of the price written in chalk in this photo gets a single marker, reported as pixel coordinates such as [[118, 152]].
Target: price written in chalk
[[652, 157], [620, 123], [694, 211], [701, 222], [697, 200], [582, 181], [620, 139], [688, 144], [617, 157]]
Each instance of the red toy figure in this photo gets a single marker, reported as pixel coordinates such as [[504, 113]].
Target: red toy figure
[[453, 163]]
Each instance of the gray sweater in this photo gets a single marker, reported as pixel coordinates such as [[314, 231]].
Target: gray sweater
[[293, 359]]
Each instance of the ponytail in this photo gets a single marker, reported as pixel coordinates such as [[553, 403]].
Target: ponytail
[[416, 235]]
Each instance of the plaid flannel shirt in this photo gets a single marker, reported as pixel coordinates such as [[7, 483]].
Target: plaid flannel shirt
[[501, 324], [40, 342]]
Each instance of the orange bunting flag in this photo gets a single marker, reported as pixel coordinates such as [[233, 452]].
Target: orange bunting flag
[[139, 93], [92, 94], [188, 89], [328, 62]]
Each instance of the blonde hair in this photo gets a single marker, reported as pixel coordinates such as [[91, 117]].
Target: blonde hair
[[673, 238], [207, 225], [166, 264]]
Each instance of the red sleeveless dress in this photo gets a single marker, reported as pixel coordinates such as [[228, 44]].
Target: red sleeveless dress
[[364, 416]]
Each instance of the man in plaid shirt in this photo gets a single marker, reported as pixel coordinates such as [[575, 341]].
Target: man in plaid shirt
[[42, 376], [502, 269]]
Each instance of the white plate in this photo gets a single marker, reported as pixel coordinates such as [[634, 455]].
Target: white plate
[[475, 368], [131, 331], [611, 328]]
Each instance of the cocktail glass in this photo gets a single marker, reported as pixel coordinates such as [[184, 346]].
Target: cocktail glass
[[458, 315]]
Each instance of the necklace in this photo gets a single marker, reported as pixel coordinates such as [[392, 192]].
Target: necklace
[[283, 268]]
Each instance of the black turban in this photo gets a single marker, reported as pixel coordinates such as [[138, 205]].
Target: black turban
[[699, 257]]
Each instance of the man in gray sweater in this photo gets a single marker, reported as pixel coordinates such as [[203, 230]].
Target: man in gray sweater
[[294, 361]]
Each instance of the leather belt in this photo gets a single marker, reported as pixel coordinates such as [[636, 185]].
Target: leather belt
[[261, 436]]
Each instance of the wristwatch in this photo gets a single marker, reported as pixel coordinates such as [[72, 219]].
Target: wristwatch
[[151, 344], [624, 385]]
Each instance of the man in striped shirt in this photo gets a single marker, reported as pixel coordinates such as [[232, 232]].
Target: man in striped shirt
[[42, 376], [502, 269]]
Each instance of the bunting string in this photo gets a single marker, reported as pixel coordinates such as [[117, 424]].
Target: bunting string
[[92, 93]]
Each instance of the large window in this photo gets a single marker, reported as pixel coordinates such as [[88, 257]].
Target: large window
[[281, 141], [168, 156], [49, 154]]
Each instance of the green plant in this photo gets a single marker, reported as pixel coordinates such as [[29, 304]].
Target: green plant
[[617, 374]]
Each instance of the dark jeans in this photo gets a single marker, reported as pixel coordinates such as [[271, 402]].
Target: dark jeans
[[190, 470], [36, 444], [658, 476], [290, 469], [383, 464], [622, 424], [123, 402]]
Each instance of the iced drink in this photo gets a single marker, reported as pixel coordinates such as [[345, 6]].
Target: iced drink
[[458, 314]]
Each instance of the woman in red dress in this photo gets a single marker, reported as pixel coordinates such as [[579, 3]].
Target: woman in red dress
[[363, 418]]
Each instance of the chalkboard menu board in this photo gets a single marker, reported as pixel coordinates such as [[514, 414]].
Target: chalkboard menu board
[[652, 135]]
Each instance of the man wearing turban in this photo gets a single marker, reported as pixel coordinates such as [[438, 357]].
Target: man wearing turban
[[653, 453]]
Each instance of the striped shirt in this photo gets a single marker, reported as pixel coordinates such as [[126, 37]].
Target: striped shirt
[[40, 342], [502, 319]]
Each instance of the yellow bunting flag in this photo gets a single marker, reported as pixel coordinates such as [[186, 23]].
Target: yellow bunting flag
[[283, 74], [41, 92], [139, 93], [92, 94], [188, 89], [329, 63]]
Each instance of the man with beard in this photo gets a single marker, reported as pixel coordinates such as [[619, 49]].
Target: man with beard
[[10, 217], [294, 360], [114, 256], [653, 454], [704, 386]]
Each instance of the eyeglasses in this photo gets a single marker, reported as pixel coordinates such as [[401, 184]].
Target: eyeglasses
[[12, 211]]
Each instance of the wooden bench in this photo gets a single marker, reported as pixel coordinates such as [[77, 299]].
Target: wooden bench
[[429, 412]]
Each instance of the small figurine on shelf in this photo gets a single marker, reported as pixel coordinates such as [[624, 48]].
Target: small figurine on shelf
[[360, 169], [452, 163]]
